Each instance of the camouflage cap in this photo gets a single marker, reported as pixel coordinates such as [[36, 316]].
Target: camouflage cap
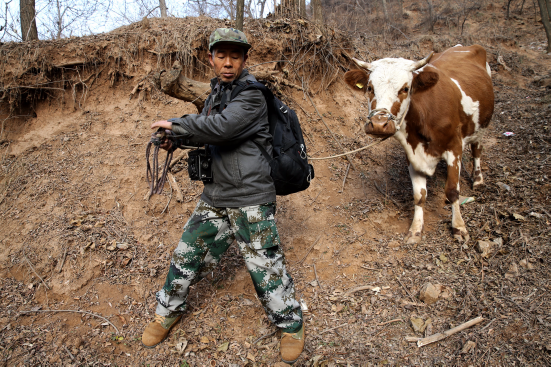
[[229, 35]]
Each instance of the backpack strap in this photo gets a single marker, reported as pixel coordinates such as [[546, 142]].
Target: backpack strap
[[268, 95], [263, 151], [248, 84], [223, 100]]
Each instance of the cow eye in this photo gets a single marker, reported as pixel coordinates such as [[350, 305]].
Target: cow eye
[[406, 89], [369, 89]]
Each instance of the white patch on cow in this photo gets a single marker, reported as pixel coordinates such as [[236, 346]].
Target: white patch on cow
[[458, 45], [418, 158], [388, 76], [474, 138], [454, 161], [476, 164], [449, 157], [463, 51], [470, 107], [419, 182], [488, 70]]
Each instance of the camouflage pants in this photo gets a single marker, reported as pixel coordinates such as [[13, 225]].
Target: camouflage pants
[[207, 235]]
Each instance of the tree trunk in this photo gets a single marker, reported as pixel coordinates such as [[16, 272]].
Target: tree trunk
[[162, 5], [262, 5], [59, 20], [545, 10], [28, 20], [288, 8], [522, 7], [509, 9], [385, 11], [431, 15], [401, 4], [302, 8], [317, 10], [175, 84], [239, 14]]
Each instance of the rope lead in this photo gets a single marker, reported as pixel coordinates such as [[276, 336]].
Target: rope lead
[[155, 182]]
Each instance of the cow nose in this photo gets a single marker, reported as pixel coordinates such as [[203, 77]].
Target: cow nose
[[380, 125]]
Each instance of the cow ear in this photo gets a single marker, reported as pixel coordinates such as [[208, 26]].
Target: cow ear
[[424, 80], [357, 80]]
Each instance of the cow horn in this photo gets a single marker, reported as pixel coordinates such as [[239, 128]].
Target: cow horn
[[362, 64], [419, 64]]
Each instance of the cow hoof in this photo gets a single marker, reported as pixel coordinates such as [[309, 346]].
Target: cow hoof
[[478, 183], [412, 239], [461, 235]]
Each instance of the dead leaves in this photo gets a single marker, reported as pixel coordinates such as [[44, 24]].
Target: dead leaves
[[182, 345], [418, 324], [223, 347]]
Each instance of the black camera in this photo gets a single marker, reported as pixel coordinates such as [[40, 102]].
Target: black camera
[[199, 165]]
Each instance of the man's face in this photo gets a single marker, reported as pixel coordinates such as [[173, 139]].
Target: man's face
[[227, 61]]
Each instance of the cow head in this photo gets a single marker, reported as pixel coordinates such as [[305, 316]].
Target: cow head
[[388, 85]]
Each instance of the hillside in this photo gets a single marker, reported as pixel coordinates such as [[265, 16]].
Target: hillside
[[77, 235]]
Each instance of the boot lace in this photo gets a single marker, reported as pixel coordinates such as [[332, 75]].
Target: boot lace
[[160, 319]]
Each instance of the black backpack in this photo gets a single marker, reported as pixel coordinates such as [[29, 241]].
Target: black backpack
[[289, 165]]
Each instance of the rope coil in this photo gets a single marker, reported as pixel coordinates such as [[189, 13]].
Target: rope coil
[[156, 182]]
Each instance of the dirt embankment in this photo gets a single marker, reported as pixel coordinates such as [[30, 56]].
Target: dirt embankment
[[77, 235]]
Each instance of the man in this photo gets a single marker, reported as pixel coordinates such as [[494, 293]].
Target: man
[[238, 204]]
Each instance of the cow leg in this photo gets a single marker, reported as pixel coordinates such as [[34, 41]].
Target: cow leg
[[476, 150], [419, 182], [452, 194]]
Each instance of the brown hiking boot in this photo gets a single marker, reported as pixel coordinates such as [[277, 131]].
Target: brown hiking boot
[[291, 345], [157, 330]]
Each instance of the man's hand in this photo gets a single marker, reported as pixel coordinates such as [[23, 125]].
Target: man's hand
[[166, 142], [163, 123]]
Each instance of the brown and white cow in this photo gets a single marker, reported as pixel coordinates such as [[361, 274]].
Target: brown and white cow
[[433, 109]]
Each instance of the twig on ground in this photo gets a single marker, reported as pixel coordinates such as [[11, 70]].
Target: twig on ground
[[300, 224], [365, 267], [169, 199], [84, 312], [437, 337], [357, 289], [405, 289], [264, 337], [316, 274], [62, 260], [487, 325], [310, 249], [333, 328], [178, 158], [345, 175], [68, 352], [32, 267], [389, 322], [313, 201], [386, 195], [179, 195]]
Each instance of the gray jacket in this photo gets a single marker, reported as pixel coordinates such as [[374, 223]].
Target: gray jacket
[[241, 174]]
